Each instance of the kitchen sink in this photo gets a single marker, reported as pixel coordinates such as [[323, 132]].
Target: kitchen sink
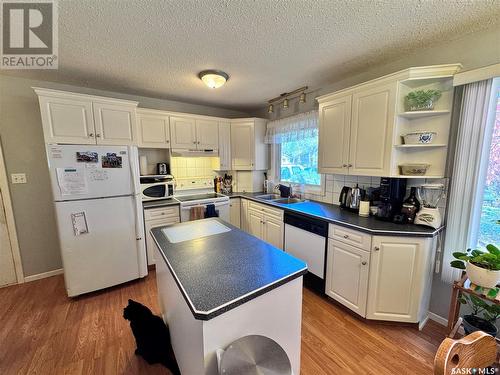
[[288, 200], [268, 197]]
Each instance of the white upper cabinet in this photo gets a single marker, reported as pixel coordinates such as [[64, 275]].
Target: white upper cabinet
[[85, 119], [207, 135], [248, 150], [360, 127], [153, 129], [334, 125], [371, 130], [67, 120], [225, 146], [183, 133], [115, 124]]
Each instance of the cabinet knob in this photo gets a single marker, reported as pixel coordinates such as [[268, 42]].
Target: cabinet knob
[[363, 263], [349, 165], [344, 165], [98, 135], [346, 236], [377, 248], [198, 142], [168, 141], [91, 135]]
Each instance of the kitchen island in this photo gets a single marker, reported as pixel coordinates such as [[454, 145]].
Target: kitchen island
[[217, 283]]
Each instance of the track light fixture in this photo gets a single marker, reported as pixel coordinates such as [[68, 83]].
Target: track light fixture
[[285, 98]]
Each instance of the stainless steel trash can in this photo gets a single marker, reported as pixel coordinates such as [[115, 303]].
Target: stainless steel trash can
[[254, 355]]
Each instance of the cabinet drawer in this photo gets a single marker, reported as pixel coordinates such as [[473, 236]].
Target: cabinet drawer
[[161, 212], [350, 237], [269, 211]]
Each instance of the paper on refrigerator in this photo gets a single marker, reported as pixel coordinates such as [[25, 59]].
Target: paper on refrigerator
[[72, 180]]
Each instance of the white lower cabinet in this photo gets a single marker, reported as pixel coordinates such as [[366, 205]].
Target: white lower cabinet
[[400, 278], [389, 281], [263, 222], [347, 275], [154, 218], [235, 212]]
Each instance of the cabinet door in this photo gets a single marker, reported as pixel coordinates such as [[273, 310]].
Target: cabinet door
[[371, 131], [114, 124], [183, 133], [255, 224], [150, 242], [347, 275], [153, 131], [235, 212], [242, 145], [397, 271], [273, 231], [207, 135], [225, 146], [244, 215], [67, 120], [334, 130]]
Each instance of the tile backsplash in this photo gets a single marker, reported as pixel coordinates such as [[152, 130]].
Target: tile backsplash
[[187, 167]]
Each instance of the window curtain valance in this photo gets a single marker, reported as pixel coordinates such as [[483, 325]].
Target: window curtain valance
[[293, 128]]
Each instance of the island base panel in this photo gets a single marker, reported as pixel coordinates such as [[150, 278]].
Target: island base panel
[[276, 314]]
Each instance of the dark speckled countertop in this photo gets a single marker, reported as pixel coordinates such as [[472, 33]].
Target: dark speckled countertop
[[335, 215], [220, 272]]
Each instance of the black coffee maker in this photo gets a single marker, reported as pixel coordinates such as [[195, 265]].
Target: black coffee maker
[[392, 194]]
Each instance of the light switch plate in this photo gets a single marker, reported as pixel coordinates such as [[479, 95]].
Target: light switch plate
[[18, 178]]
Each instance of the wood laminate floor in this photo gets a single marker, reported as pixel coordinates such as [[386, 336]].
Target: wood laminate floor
[[42, 331]]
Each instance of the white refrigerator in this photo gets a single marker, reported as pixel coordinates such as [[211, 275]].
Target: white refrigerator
[[99, 215]]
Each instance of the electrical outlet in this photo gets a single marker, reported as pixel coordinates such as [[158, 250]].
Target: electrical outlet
[[18, 178]]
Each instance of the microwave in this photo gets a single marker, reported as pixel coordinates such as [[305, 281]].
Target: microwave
[[156, 187]]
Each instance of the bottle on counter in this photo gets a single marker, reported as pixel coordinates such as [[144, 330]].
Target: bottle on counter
[[411, 205]]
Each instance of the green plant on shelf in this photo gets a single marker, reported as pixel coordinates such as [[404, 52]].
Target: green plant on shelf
[[420, 100], [489, 260], [489, 312]]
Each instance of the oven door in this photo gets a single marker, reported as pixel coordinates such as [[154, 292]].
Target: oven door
[[154, 191], [222, 208]]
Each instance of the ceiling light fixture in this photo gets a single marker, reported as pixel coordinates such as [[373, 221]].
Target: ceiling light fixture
[[285, 98], [213, 78]]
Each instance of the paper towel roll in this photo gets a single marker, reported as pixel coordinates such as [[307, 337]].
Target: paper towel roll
[[143, 165]]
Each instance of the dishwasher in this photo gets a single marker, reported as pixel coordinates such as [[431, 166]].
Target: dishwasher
[[306, 239]]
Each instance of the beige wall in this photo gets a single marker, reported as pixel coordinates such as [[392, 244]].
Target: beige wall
[[24, 150]]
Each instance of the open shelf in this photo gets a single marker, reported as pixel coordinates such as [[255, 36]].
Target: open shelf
[[418, 114], [424, 145]]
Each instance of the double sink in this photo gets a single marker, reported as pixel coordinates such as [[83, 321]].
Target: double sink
[[276, 198]]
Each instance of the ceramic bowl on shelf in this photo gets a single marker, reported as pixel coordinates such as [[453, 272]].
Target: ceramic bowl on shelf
[[414, 169], [418, 138]]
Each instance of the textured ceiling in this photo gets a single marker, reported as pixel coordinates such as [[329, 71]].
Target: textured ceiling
[[156, 48]]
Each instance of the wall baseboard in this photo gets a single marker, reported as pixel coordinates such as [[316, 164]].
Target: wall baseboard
[[438, 319], [43, 275]]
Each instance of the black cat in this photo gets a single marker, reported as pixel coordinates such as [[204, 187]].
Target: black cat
[[151, 336]]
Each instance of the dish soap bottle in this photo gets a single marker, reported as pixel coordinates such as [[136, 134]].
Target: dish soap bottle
[[411, 205]]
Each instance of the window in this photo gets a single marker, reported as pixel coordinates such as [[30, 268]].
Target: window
[[299, 161], [489, 226]]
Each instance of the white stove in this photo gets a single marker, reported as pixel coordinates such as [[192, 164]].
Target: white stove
[[198, 192]]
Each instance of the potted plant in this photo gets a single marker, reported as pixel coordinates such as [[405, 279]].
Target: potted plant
[[473, 322], [421, 100], [482, 268]]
